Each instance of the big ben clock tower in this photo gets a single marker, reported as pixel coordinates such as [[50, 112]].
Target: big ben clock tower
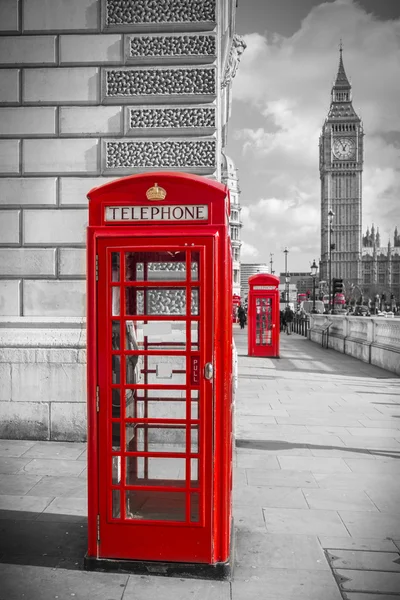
[[340, 166]]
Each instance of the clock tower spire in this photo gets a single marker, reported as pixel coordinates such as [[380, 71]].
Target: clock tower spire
[[341, 165]]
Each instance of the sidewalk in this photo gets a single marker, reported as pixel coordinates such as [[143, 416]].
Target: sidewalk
[[316, 493]]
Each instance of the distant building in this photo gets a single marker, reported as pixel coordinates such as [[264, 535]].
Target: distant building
[[248, 269], [302, 281], [230, 178], [381, 266]]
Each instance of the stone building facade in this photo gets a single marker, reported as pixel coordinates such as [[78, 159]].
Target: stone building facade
[[230, 178], [89, 90], [381, 267]]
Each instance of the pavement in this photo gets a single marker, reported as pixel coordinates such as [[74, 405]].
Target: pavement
[[316, 493]]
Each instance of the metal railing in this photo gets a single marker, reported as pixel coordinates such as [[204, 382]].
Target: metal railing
[[301, 325]]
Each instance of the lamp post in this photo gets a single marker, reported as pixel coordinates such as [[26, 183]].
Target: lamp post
[[286, 251], [314, 270], [271, 263], [331, 214]]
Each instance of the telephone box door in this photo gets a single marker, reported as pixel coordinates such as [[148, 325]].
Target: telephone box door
[[264, 330], [155, 349]]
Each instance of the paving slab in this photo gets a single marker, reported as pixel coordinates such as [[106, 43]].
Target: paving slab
[[317, 464], [13, 465], [55, 450], [46, 466], [287, 584], [384, 500], [14, 448], [283, 478], [17, 485], [339, 499], [304, 522], [371, 524], [357, 596], [366, 561], [279, 497], [369, 581], [391, 466], [146, 588], [24, 503], [352, 543], [257, 551], [67, 506], [48, 485], [39, 583]]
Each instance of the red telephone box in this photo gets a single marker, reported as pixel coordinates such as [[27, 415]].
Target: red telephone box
[[263, 315], [235, 305], [159, 377]]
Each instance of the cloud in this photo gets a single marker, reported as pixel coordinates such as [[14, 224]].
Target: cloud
[[285, 84]]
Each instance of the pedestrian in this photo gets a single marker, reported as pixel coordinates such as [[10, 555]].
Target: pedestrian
[[241, 316], [289, 315], [282, 320]]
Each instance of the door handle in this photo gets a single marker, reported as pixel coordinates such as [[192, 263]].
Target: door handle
[[209, 371]]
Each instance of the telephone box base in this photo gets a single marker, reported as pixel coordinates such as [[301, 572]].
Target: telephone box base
[[222, 571], [217, 572]]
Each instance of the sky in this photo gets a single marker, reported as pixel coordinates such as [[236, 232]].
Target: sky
[[281, 96]]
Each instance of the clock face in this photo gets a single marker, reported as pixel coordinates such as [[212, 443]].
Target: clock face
[[344, 148]]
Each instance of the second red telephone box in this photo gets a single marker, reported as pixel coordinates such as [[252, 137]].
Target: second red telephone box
[[159, 378], [263, 315]]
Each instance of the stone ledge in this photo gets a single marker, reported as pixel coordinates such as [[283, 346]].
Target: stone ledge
[[43, 332]]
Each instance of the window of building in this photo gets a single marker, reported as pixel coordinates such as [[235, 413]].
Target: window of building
[[236, 276], [381, 278], [367, 277]]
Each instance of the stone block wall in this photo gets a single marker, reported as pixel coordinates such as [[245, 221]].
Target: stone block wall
[[89, 90]]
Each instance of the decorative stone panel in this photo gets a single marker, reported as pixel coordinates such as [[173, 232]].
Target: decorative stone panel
[[188, 15], [157, 49], [170, 120], [155, 85], [194, 156]]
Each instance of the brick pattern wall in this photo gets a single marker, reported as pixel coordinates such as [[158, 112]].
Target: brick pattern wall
[[91, 90]]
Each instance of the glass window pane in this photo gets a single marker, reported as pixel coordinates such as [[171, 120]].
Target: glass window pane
[[116, 436], [154, 369], [194, 334], [116, 403], [194, 472], [155, 301], [116, 504], [194, 268], [169, 472], [115, 338], [194, 404], [155, 404], [194, 307], [115, 268], [155, 506], [134, 301], [116, 469], [153, 335], [115, 304], [116, 368], [194, 439], [155, 266], [150, 437], [194, 508]]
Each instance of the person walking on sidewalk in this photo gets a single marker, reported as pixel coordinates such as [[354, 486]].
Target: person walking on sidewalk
[[289, 315], [241, 316]]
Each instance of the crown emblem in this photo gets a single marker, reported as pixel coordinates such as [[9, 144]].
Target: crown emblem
[[156, 193]]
